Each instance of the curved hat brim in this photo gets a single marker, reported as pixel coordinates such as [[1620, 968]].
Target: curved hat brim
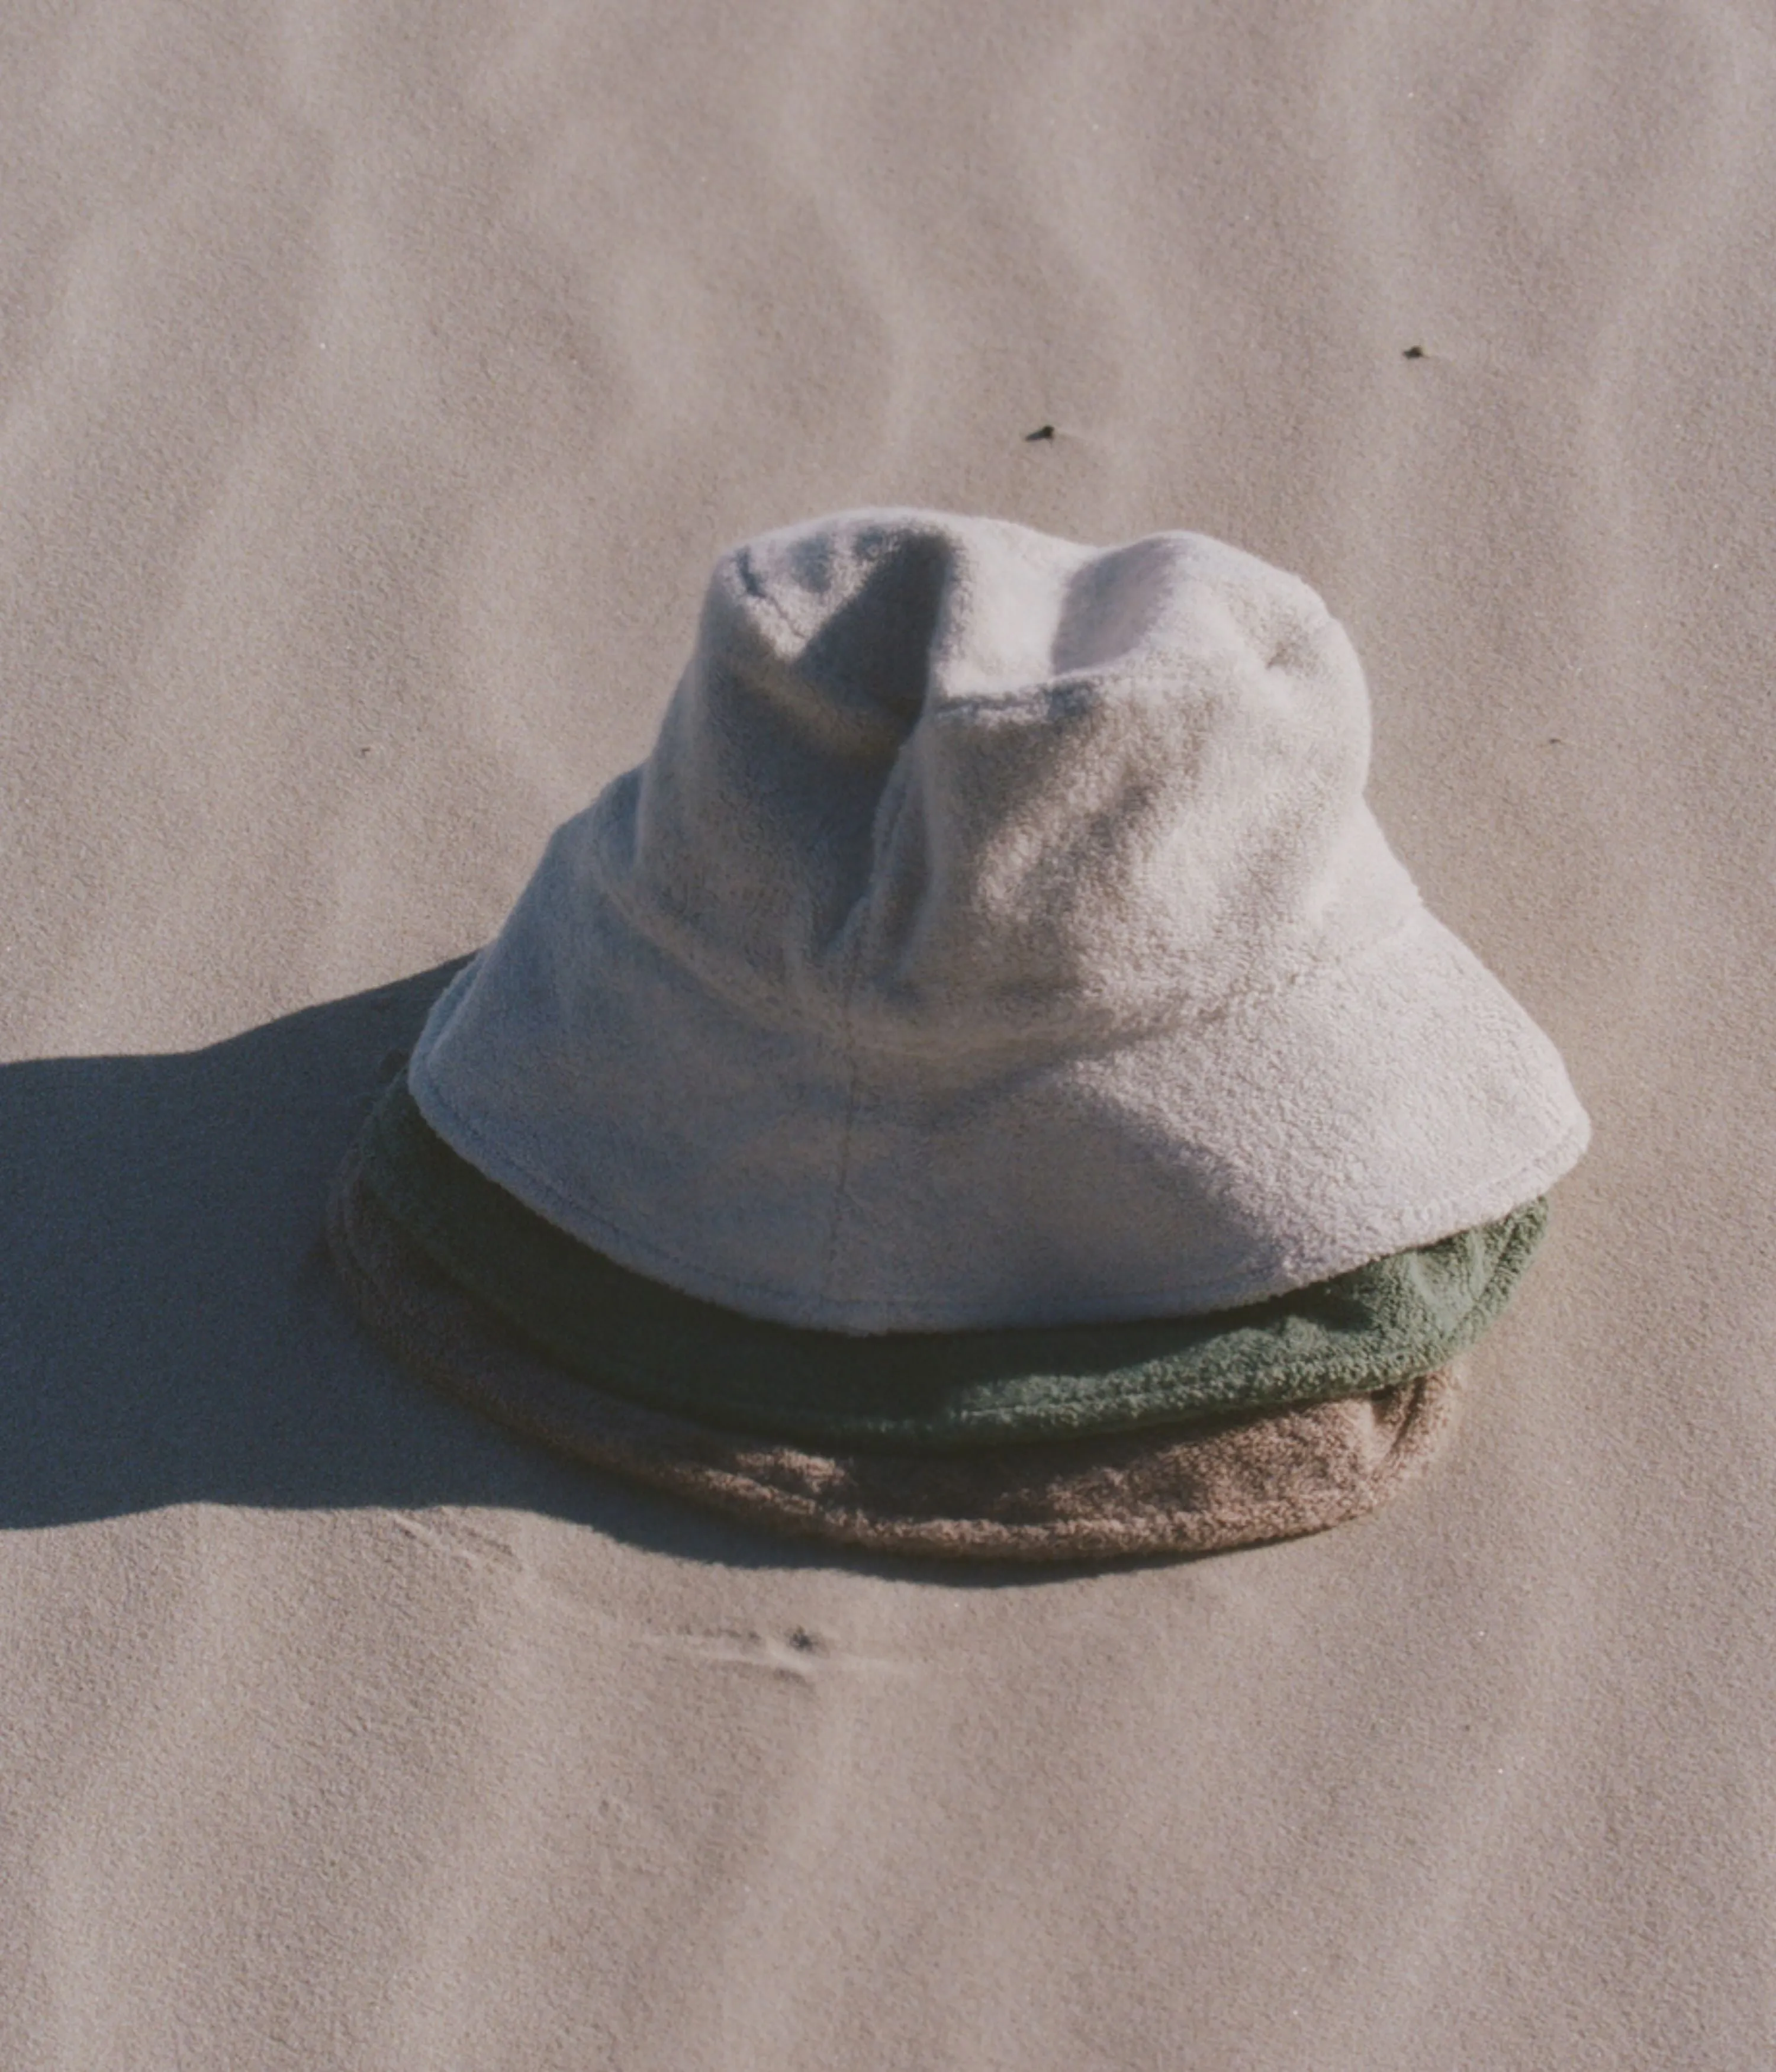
[[1212, 1484], [1208, 1161], [918, 1393]]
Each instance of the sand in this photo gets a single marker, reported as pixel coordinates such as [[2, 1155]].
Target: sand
[[377, 384]]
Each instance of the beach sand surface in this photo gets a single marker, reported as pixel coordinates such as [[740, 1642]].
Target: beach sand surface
[[377, 385]]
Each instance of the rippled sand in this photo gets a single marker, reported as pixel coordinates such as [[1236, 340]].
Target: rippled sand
[[377, 385]]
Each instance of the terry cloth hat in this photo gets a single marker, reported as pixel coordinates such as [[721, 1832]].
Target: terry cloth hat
[[990, 1023]]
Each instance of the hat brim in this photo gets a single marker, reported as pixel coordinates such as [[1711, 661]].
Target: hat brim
[[1212, 1160], [932, 1392], [1211, 1484]]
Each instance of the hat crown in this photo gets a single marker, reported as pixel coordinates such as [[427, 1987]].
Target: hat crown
[[949, 780]]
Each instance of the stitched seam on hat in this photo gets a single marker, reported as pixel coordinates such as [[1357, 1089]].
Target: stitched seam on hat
[[853, 1069], [842, 1177], [772, 1007]]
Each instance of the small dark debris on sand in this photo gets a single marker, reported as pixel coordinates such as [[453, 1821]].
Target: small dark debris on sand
[[1040, 431]]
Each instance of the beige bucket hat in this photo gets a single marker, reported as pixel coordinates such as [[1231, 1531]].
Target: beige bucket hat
[[997, 931], [996, 941]]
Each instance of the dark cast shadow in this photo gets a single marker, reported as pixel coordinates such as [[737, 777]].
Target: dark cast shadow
[[172, 1330]]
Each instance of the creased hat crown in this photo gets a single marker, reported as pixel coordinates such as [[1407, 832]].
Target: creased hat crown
[[996, 935], [955, 781]]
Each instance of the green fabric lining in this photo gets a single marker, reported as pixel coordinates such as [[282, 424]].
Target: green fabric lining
[[1385, 1322]]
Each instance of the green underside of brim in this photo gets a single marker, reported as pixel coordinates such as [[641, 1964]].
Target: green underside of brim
[[1386, 1322]]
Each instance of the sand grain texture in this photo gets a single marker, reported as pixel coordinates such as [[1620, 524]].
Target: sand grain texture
[[377, 385]]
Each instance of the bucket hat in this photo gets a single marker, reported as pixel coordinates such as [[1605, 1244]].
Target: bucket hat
[[986, 1057]]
